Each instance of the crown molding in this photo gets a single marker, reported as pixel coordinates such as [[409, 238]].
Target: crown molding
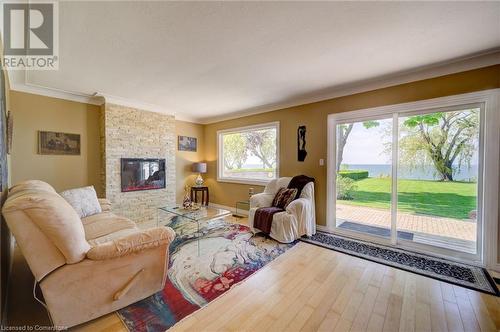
[[475, 61], [55, 93], [107, 98], [95, 99], [132, 103]]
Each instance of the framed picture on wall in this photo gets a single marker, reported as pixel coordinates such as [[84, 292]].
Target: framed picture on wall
[[55, 143], [186, 143]]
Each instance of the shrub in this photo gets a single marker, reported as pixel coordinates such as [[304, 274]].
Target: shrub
[[345, 187], [355, 174], [344, 167]]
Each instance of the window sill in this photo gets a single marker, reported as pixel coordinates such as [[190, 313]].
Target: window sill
[[262, 183]]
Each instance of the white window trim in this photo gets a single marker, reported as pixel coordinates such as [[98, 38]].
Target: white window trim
[[491, 156], [220, 165]]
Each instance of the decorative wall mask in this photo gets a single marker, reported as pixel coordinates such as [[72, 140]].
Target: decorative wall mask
[[301, 143]]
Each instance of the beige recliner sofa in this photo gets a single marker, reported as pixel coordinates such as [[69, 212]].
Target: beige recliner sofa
[[85, 267]]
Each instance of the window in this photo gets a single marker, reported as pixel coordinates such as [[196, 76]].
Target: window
[[249, 154]]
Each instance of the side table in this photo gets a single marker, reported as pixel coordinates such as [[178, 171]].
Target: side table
[[205, 198]]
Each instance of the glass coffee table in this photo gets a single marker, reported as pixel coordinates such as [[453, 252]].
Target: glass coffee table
[[188, 222]]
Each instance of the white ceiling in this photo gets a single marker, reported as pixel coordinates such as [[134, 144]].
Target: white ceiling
[[203, 60]]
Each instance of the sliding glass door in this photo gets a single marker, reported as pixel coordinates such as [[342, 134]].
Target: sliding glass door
[[363, 166], [411, 179], [437, 181]]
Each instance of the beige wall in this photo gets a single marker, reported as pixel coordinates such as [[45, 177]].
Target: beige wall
[[184, 159], [314, 116], [32, 113]]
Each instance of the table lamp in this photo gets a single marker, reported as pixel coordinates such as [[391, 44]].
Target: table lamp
[[199, 168]]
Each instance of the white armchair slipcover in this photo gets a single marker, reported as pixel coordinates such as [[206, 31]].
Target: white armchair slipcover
[[298, 219]]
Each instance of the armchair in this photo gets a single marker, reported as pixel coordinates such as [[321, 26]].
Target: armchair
[[85, 267], [298, 219]]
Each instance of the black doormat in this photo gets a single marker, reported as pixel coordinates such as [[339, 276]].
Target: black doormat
[[464, 275], [374, 230]]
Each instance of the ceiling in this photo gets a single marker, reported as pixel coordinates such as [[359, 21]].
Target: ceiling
[[206, 60]]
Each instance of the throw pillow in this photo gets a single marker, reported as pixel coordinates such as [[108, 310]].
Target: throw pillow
[[83, 200], [283, 197]]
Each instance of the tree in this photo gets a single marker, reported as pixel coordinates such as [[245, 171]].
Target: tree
[[343, 133], [442, 138], [262, 144], [235, 152]]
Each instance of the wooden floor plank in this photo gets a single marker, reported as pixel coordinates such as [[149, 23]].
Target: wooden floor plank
[[376, 323], [380, 307], [328, 298], [300, 319], [407, 321], [492, 307], [453, 317], [328, 324], [448, 292], [481, 313], [345, 295], [438, 317], [393, 314], [343, 325], [362, 318]]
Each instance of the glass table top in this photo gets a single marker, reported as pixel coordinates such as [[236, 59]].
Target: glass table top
[[203, 213]]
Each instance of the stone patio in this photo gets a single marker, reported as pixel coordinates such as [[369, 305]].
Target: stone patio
[[437, 226]]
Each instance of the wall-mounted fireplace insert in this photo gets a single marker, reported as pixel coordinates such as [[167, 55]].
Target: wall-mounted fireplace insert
[[142, 174]]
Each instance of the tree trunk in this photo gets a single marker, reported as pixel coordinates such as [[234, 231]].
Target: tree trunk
[[344, 134], [267, 164], [340, 152], [444, 167], [448, 176], [447, 173], [442, 163]]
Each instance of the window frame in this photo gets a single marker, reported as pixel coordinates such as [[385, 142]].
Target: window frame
[[220, 153]]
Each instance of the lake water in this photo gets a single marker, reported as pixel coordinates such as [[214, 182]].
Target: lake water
[[426, 173]]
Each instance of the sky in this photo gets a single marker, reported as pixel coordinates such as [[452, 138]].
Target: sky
[[366, 146]]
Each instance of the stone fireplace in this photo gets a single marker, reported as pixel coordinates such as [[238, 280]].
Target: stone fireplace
[[133, 133]]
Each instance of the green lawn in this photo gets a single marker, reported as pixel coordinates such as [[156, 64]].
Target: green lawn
[[444, 199]]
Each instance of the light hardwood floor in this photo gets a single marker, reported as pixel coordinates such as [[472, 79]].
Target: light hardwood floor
[[314, 289]]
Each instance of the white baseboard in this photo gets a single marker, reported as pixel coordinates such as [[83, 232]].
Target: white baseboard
[[494, 267], [232, 209], [323, 228]]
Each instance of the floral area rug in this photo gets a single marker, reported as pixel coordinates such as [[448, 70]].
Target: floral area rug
[[228, 253]]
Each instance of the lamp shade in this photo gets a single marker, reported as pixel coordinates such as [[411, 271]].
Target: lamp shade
[[200, 167]]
